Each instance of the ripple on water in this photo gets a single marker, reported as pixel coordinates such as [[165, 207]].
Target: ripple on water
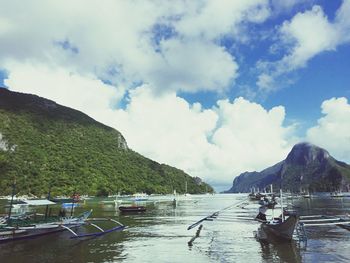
[[161, 235]]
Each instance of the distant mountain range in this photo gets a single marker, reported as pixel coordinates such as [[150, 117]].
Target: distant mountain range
[[307, 167], [45, 145]]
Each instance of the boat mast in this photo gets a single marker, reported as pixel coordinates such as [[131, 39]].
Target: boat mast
[[48, 198], [11, 203], [272, 196], [282, 204], [72, 208]]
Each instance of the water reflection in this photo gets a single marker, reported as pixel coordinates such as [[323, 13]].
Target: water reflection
[[160, 235], [281, 252]]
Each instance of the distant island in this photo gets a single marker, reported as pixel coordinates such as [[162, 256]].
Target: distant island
[[306, 168], [44, 145]]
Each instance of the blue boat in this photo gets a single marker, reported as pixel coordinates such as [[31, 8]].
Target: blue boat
[[70, 205]]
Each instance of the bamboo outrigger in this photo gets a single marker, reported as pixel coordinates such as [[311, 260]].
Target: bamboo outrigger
[[24, 228], [26, 225], [289, 225], [326, 220]]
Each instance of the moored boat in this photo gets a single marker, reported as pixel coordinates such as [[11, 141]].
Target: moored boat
[[31, 225], [130, 209], [139, 197], [70, 205], [268, 202], [339, 194], [278, 229], [256, 196]]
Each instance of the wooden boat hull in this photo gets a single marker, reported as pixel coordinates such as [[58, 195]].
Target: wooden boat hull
[[132, 209], [283, 230], [347, 227], [30, 229], [256, 197], [20, 234], [268, 204]]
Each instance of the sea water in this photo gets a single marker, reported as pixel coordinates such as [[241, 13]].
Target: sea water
[[160, 234]]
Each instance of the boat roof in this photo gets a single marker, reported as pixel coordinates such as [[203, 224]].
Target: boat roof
[[39, 202]]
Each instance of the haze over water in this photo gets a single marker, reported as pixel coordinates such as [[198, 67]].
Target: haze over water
[[161, 235]]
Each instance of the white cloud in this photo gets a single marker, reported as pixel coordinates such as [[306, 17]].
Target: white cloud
[[84, 93], [118, 43], [311, 33], [286, 5], [215, 144], [61, 51], [167, 129], [342, 20], [306, 35], [201, 66], [224, 16], [249, 137], [265, 82], [332, 131]]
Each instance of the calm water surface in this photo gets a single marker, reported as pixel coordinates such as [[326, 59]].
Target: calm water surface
[[161, 235]]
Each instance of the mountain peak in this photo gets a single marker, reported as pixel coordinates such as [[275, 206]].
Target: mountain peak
[[307, 166], [305, 153]]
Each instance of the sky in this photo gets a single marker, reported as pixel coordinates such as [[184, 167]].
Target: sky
[[214, 88]]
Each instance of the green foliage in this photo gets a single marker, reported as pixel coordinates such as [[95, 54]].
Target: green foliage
[[61, 148]]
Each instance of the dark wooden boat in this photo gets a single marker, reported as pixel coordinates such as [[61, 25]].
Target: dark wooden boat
[[256, 196], [132, 209], [347, 227], [268, 203], [280, 230]]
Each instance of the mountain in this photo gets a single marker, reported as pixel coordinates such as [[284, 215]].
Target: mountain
[[307, 167], [45, 145]]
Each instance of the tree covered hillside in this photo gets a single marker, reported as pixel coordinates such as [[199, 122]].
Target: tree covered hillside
[[43, 144]]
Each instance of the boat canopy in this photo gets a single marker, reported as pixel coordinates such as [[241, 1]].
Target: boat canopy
[[39, 202]]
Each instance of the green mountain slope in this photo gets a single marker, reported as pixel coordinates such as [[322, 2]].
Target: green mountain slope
[[306, 167], [43, 144]]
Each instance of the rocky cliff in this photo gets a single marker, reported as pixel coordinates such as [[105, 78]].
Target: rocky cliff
[[306, 167]]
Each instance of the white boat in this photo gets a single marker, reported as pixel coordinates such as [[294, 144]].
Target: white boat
[[139, 197], [339, 194]]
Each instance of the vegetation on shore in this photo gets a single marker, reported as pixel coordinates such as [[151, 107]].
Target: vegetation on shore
[[44, 145]]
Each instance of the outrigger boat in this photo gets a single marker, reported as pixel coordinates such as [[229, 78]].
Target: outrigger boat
[[278, 229], [289, 226], [24, 226], [281, 228]]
